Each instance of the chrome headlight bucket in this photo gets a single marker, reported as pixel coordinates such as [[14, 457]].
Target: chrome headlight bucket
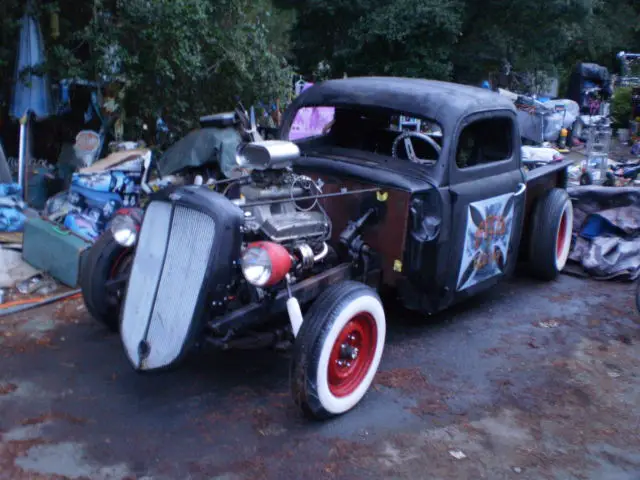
[[124, 230], [256, 266]]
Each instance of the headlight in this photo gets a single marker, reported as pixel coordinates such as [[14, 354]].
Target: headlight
[[124, 230], [265, 264]]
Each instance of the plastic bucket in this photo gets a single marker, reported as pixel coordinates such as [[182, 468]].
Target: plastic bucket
[[86, 146]]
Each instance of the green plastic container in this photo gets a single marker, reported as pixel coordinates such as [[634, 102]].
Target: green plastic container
[[51, 248]]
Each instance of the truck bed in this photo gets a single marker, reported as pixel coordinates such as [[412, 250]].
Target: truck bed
[[551, 169]]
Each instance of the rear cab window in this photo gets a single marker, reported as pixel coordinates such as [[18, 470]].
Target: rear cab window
[[485, 141]]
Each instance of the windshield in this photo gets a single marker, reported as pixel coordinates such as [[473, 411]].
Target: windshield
[[376, 131]]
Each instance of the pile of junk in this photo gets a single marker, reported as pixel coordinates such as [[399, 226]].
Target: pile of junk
[[545, 124], [71, 170], [41, 248], [606, 225], [606, 221], [604, 176], [580, 124]]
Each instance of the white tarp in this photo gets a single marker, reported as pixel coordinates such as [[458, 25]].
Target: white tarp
[[13, 269]]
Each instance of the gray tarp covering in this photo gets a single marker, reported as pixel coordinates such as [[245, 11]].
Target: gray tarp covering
[[607, 227], [199, 147]]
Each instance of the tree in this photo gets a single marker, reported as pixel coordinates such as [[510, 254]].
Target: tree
[[185, 58], [365, 37], [533, 36], [178, 58], [460, 39]]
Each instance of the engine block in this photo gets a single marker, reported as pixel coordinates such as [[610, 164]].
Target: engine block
[[283, 221]]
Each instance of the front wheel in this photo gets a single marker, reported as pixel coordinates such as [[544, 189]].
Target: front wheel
[[338, 350], [106, 260]]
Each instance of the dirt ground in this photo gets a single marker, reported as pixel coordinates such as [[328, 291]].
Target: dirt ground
[[534, 381]]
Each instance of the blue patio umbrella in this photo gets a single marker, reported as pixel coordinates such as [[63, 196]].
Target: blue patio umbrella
[[32, 93]]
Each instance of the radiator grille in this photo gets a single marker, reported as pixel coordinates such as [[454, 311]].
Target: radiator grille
[[145, 274], [162, 296]]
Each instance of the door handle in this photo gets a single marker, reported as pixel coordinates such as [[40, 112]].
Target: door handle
[[521, 189]]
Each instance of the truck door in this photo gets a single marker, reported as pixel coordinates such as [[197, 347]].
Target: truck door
[[487, 188]]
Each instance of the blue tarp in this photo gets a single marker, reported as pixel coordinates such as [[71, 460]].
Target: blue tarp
[[12, 217], [32, 92], [598, 226]]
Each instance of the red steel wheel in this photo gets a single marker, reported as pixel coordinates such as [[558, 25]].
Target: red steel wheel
[[563, 237], [562, 232], [352, 354]]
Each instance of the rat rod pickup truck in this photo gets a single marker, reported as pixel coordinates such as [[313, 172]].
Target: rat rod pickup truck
[[411, 186]]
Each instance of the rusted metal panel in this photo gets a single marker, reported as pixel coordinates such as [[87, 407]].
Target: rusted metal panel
[[387, 237]]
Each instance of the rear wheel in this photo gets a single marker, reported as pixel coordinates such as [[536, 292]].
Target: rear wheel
[[106, 260], [551, 231], [338, 350]]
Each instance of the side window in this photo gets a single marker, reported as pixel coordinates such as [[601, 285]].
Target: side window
[[485, 141]]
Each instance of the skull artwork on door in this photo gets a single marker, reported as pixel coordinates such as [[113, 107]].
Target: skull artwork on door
[[486, 244]]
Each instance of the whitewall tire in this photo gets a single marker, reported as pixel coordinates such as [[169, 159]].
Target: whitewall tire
[[563, 236], [551, 234], [338, 350]]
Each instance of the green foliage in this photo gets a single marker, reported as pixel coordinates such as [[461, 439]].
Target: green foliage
[[365, 37], [186, 58], [178, 58], [621, 107], [531, 35], [461, 39], [8, 39], [405, 38]]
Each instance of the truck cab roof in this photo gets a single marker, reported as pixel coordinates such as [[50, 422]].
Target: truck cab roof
[[443, 102], [359, 123]]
